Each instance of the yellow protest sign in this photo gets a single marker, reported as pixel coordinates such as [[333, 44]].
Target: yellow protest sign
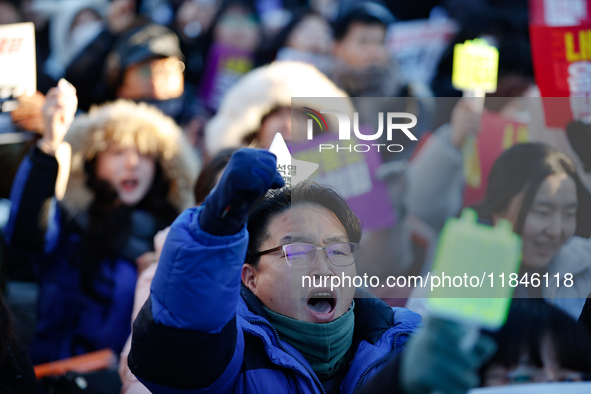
[[475, 66]]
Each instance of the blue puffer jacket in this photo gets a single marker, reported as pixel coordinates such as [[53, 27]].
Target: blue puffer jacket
[[69, 322], [201, 331]]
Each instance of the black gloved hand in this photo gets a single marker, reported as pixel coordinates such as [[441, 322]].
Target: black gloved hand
[[248, 176]]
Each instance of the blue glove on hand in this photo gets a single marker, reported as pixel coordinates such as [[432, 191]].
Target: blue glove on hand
[[435, 360], [247, 177]]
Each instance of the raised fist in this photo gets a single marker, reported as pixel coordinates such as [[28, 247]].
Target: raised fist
[[59, 110], [247, 177]]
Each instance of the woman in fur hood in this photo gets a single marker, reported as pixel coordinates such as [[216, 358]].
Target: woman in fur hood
[[259, 105], [132, 172]]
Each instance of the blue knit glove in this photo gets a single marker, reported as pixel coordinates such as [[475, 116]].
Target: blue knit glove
[[435, 360], [247, 177]]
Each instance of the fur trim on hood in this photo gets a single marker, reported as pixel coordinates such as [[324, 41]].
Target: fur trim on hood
[[129, 123], [259, 92]]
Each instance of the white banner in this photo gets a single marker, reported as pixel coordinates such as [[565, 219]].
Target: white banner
[[418, 45], [17, 60], [537, 388]]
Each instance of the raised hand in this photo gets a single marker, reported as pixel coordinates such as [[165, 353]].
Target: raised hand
[[438, 359], [465, 121], [247, 177], [58, 113]]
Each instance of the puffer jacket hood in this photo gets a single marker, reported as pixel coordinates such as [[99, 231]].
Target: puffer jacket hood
[[262, 90], [130, 123]]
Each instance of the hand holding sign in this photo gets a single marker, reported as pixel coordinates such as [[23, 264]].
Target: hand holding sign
[[28, 115], [451, 345], [475, 70], [465, 122], [434, 362]]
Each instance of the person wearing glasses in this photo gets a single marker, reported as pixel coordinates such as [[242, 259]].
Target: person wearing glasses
[[228, 312], [538, 343]]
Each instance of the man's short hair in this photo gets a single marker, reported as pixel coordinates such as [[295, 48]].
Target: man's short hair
[[367, 13], [279, 200]]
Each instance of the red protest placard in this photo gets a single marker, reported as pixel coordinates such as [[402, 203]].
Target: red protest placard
[[497, 134], [562, 65], [560, 32]]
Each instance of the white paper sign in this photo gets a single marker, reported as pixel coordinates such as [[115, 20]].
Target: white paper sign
[[292, 170], [537, 388], [17, 60], [565, 12], [418, 46]]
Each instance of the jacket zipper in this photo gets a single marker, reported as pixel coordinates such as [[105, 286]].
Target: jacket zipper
[[381, 360], [312, 374]]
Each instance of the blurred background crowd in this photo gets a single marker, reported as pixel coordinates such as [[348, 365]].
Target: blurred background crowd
[[183, 56]]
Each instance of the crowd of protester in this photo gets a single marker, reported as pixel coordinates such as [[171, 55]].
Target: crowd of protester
[[172, 210]]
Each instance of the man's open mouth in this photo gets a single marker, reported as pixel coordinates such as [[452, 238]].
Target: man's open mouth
[[322, 302]]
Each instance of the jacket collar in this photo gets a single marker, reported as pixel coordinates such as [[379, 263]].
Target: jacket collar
[[373, 316], [572, 257], [252, 302]]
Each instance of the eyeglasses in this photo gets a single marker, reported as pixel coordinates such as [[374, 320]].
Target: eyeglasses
[[340, 254], [526, 374], [530, 374], [521, 374]]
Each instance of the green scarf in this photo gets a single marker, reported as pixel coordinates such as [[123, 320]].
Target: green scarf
[[324, 345]]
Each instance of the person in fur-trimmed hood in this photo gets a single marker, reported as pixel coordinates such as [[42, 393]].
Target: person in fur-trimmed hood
[[132, 172], [259, 105]]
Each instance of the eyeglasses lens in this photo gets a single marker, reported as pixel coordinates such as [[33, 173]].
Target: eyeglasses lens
[[303, 255]]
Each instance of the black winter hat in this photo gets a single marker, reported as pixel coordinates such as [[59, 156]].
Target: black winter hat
[[139, 44]]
